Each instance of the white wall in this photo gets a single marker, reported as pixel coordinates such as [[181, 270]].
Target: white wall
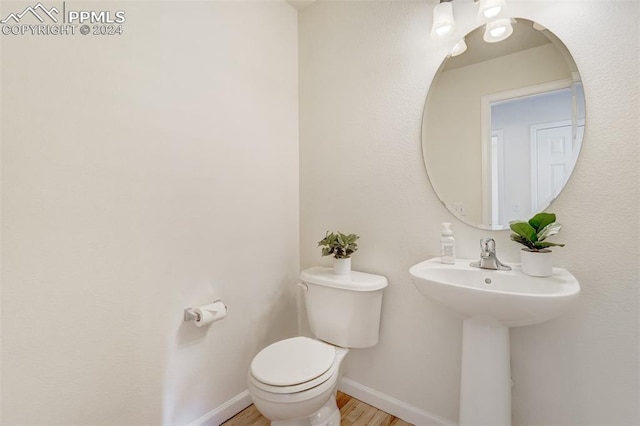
[[365, 69], [142, 174]]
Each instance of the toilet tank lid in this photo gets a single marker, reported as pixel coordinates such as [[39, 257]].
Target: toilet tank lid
[[355, 281]]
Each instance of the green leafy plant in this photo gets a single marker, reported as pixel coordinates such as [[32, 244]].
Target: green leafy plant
[[340, 245], [532, 234]]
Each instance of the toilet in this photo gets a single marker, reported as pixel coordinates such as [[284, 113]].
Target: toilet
[[293, 382]]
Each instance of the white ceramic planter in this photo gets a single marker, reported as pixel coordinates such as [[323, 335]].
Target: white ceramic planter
[[537, 263], [342, 266]]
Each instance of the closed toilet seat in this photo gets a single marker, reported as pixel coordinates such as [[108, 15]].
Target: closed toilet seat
[[293, 365]]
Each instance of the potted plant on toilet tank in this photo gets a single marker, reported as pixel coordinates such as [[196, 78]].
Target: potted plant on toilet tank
[[536, 257], [341, 246]]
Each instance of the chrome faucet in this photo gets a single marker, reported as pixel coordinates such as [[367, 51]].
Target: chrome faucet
[[488, 259]]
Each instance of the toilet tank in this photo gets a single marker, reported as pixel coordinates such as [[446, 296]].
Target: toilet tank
[[343, 310]]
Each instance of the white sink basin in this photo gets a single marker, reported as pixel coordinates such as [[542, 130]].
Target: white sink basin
[[510, 297], [490, 302]]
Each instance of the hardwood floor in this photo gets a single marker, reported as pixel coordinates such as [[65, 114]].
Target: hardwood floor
[[353, 412]]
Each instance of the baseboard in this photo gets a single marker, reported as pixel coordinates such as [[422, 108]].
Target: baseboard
[[224, 412], [377, 399], [393, 406]]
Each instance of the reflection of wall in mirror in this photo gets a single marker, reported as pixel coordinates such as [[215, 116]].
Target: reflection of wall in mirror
[[515, 119], [452, 121]]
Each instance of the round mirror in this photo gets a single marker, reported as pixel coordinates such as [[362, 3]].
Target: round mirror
[[503, 126]]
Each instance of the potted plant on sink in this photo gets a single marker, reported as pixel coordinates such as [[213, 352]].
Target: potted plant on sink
[[536, 258], [341, 246]]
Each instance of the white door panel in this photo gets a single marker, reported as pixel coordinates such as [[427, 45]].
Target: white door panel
[[552, 159]]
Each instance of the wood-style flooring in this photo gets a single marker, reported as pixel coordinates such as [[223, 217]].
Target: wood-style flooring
[[353, 412]]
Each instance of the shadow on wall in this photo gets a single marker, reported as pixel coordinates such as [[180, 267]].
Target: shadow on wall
[[195, 347]]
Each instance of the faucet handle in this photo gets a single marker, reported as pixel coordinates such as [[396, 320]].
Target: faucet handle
[[488, 245]]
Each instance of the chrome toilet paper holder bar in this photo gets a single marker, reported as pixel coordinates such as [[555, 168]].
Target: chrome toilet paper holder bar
[[191, 315]]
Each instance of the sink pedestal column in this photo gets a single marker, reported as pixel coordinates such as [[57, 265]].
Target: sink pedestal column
[[485, 388]]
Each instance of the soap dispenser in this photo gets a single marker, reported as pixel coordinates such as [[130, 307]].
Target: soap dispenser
[[447, 244]]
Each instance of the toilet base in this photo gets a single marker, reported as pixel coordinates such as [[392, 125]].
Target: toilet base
[[313, 407], [328, 415]]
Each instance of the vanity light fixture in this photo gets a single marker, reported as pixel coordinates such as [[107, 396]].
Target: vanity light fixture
[[489, 9], [497, 30], [443, 23]]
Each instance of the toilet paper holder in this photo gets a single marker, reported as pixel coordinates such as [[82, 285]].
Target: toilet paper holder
[[191, 315]]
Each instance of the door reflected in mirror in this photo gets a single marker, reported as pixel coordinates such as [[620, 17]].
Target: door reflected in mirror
[[503, 126]]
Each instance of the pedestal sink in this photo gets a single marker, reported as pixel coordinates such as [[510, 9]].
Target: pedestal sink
[[489, 302]]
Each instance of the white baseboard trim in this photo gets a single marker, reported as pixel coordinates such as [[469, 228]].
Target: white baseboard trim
[[393, 406], [224, 412], [377, 399]]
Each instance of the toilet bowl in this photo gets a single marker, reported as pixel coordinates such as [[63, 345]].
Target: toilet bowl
[[294, 382]]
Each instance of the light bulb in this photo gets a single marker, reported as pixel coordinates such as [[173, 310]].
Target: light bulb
[[444, 30], [459, 48], [497, 30], [489, 9], [492, 12]]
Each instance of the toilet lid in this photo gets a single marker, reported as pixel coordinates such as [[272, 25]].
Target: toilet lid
[[292, 361]]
